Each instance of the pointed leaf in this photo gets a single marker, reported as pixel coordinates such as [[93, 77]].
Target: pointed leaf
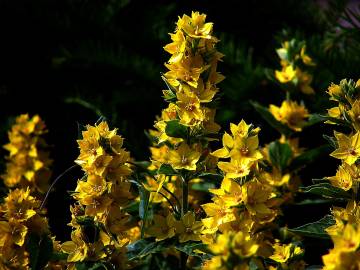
[[176, 130], [167, 170], [327, 190], [280, 154], [315, 229]]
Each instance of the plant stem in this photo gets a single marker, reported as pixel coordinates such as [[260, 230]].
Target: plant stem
[[185, 195], [54, 183], [184, 209]]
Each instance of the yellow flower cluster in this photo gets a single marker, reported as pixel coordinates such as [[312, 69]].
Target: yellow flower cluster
[[348, 146], [345, 235], [191, 81], [192, 75], [28, 161], [102, 195], [19, 217], [246, 202], [293, 56], [291, 114], [232, 251]]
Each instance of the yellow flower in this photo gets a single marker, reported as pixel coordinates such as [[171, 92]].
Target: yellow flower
[[242, 129], [306, 58], [28, 160], [96, 206], [336, 260], [189, 109], [241, 145], [188, 228], [177, 48], [230, 192], [243, 245], [286, 75], [349, 240], [183, 157], [343, 178], [348, 147], [163, 228], [275, 178], [228, 144], [12, 232], [188, 70], [236, 168], [282, 252], [291, 114], [335, 91], [218, 213], [256, 197], [354, 114], [229, 244], [204, 92], [246, 148], [159, 155], [19, 205], [76, 248], [94, 186], [195, 25]]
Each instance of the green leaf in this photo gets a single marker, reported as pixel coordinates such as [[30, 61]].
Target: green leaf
[[85, 221], [40, 249], [167, 170], [81, 266], [320, 118], [280, 154], [327, 190], [315, 229], [309, 156], [331, 141], [144, 202], [190, 247], [176, 130], [144, 247], [270, 119]]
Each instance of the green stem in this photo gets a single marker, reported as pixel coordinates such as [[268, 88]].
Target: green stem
[[184, 209], [185, 195]]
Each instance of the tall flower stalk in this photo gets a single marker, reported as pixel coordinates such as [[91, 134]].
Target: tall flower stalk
[[101, 226]]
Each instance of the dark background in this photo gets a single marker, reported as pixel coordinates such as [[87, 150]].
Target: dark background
[[71, 61]]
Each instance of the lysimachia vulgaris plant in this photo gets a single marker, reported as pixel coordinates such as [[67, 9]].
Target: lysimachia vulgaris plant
[[182, 162], [207, 198], [101, 225], [345, 222], [28, 161], [23, 226]]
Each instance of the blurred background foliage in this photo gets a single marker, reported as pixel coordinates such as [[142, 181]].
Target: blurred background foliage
[[72, 61]]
